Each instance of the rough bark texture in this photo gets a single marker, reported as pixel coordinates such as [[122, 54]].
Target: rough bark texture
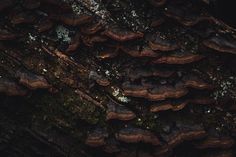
[[116, 78]]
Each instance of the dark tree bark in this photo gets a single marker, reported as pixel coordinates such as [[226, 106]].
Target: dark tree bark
[[116, 78]]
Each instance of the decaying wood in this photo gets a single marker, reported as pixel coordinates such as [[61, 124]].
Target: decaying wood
[[116, 78]]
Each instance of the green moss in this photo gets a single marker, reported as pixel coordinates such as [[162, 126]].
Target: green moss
[[66, 107]]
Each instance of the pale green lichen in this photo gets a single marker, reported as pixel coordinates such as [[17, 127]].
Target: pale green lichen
[[63, 33]]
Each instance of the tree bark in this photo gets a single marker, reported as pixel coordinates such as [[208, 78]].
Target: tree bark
[[115, 78]]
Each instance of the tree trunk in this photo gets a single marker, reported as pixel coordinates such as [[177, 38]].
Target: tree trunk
[[116, 78]]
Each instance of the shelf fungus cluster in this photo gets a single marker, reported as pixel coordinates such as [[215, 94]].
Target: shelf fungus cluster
[[130, 78]]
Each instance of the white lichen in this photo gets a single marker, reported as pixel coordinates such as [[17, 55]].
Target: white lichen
[[31, 37], [123, 99], [45, 70], [95, 7], [134, 14], [76, 8], [117, 93], [225, 87], [107, 72]]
